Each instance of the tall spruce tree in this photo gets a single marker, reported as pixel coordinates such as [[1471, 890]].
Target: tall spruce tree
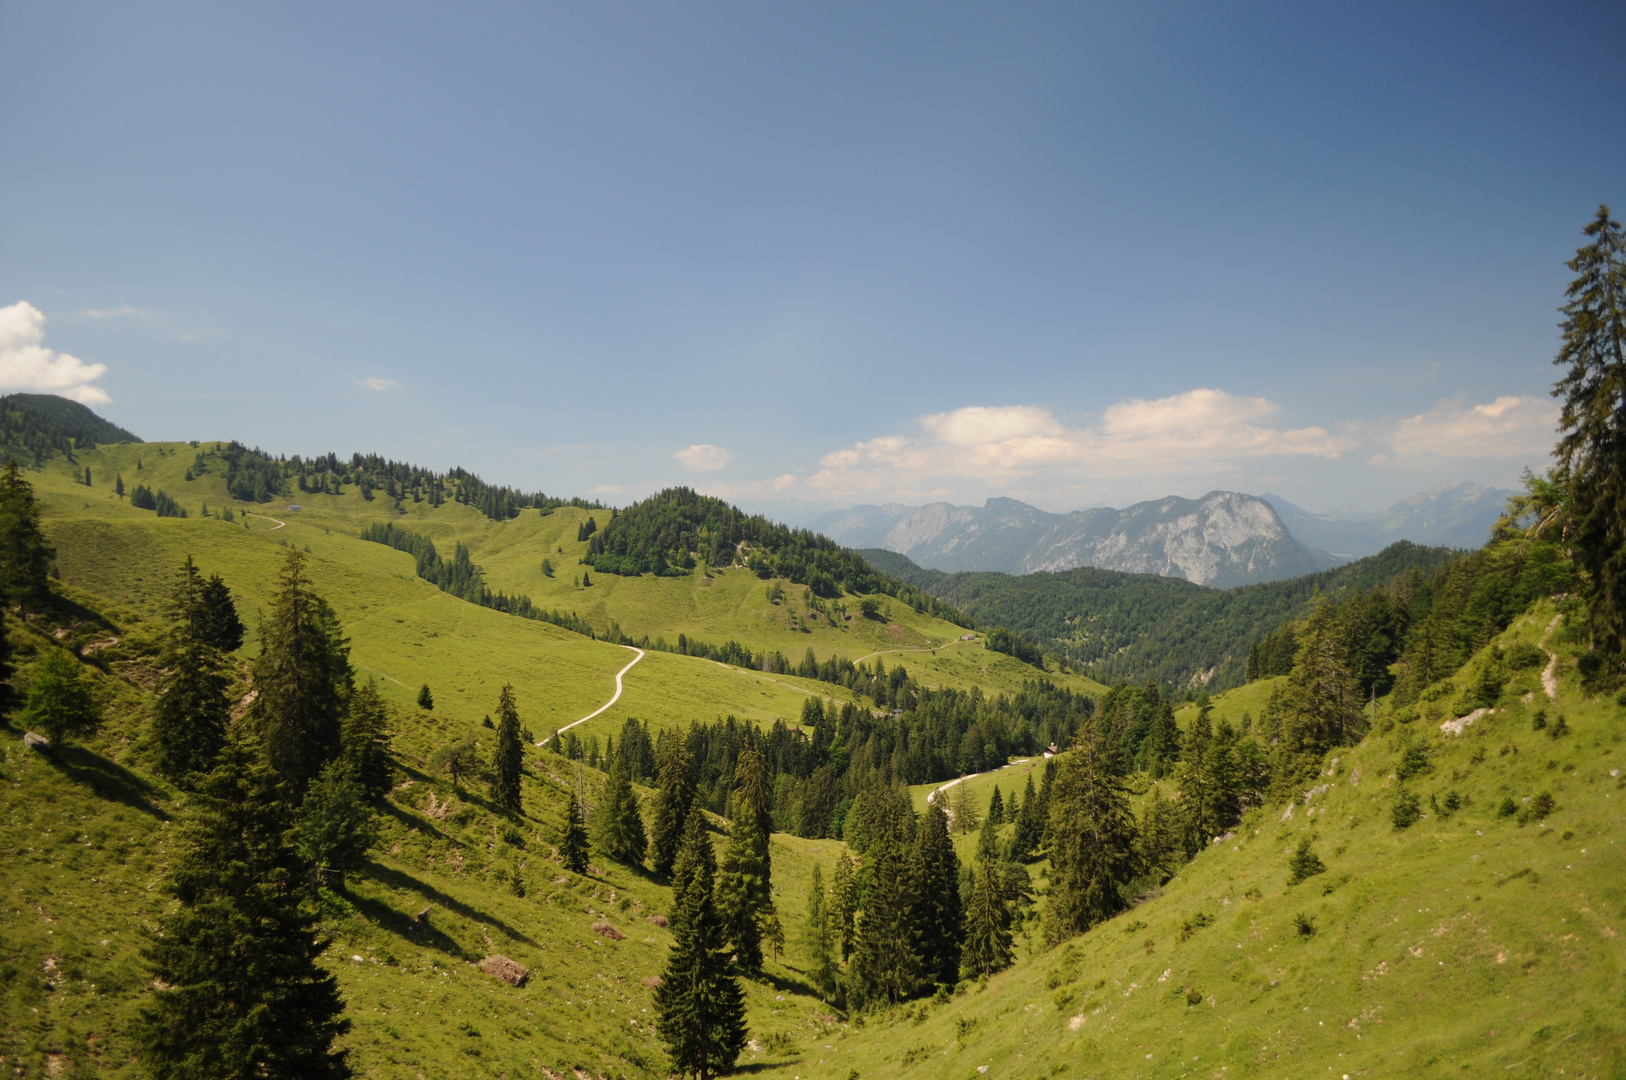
[[886, 961], [1029, 825], [1162, 741], [744, 893], [843, 906], [673, 799], [573, 846], [699, 1005], [996, 807], [1199, 813], [1591, 451], [218, 621], [1092, 842], [241, 994], [194, 710], [816, 937], [364, 744], [937, 916], [1322, 703], [302, 678], [426, 700], [60, 703], [1161, 840], [335, 825], [988, 930], [508, 759], [618, 826], [25, 557]]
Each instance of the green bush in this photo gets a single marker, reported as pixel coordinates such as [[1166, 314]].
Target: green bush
[[1407, 809]]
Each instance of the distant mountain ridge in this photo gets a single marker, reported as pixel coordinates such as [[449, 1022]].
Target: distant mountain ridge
[[1453, 515], [1221, 540]]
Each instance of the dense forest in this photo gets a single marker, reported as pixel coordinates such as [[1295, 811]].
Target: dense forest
[[1140, 627], [34, 427]]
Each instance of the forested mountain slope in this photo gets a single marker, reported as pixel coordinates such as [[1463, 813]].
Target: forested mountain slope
[[1141, 626]]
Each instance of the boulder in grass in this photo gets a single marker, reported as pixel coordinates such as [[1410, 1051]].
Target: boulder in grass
[[604, 929], [37, 742], [659, 920], [509, 971]]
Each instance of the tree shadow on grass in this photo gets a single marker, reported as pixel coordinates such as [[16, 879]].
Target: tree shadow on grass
[[414, 819], [108, 779], [400, 879], [785, 985], [763, 1066], [422, 932]]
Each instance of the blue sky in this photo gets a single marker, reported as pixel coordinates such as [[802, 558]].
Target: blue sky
[[806, 256]]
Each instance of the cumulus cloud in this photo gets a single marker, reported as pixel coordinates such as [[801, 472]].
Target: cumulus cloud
[[378, 383], [1198, 432], [703, 457], [26, 364], [1511, 427]]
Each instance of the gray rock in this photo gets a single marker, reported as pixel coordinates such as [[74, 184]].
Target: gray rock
[[37, 742]]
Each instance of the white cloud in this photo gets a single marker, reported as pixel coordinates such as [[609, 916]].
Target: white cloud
[[123, 311], [378, 383], [26, 364], [1453, 431], [703, 457], [1196, 433]]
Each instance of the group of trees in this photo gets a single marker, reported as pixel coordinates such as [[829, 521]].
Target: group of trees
[[34, 427], [145, 498]]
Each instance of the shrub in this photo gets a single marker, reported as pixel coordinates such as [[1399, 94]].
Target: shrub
[[1194, 996], [1413, 760], [1559, 729], [1304, 863], [1508, 807], [1539, 720], [1407, 809], [1537, 809], [1304, 924], [1525, 655]]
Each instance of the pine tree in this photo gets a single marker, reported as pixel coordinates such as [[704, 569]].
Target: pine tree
[[118, 485], [996, 808], [1162, 742], [937, 916], [25, 557], [1029, 825], [744, 893], [60, 703], [843, 906], [1197, 798], [619, 826], [573, 847], [1592, 449], [241, 994], [194, 710], [508, 759], [821, 968], [335, 826], [673, 799], [1092, 840], [964, 809], [364, 744], [426, 700], [217, 619], [87, 476], [699, 1006], [988, 932], [1323, 703], [1160, 837], [457, 760], [302, 678], [886, 963], [1304, 862]]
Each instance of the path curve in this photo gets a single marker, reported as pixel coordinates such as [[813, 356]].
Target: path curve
[[607, 704], [1549, 674], [267, 517], [931, 796]]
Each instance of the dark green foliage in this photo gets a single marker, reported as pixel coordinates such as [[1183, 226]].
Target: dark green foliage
[[699, 1006], [744, 886], [1507, 807], [1406, 810], [1029, 825], [1092, 842], [1523, 656], [364, 744], [25, 557], [886, 959], [144, 498], [1487, 686], [60, 702], [816, 942], [996, 808], [1304, 863], [843, 906], [457, 760], [302, 678], [1004, 641], [335, 826], [426, 700], [35, 427], [635, 751], [1592, 450], [937, 916], [1137, 627], [1537, 807], [1304, 924], [987, 926], [1159, 847], [193, 712], [242, 993], [673, 800], [1560, 728], [619, 827], [217, 619], [573, 845], [508, 759], [1413, 761], [118, 485]]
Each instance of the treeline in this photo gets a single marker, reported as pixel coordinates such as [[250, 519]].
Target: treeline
[[669, 533], [34, 427], [144, 498], [1136, 627], [465, 580]]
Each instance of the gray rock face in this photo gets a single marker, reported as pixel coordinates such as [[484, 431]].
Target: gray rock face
[[1222, 539]]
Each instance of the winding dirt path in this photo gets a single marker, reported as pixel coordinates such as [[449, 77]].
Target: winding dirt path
[[1549, 674], [931, 796], [607, 704], [266, 517]]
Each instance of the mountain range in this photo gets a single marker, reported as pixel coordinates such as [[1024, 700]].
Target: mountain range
[[1221, 540]]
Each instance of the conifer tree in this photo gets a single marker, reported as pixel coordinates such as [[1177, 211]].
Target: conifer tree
[[699, 1006], [218, 621], [1162, 742], [302, 678], [744, 894], [1322, 701], [1092, 839], [821, 968], [619, 825], [937, 917], [996, 808], [886, 962], [241, 994], [1304, 862], [335, 826], [966, 815], [364, 741], [426, 700], [988, 932], [1160, 837], [843, 907], [25, 557], [1029, 825], [672, 800], [1197, 797], [1592, 449], [189, 724], [118, 485], [60, 702], [508, 759], [457, 760], [573, 847]]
